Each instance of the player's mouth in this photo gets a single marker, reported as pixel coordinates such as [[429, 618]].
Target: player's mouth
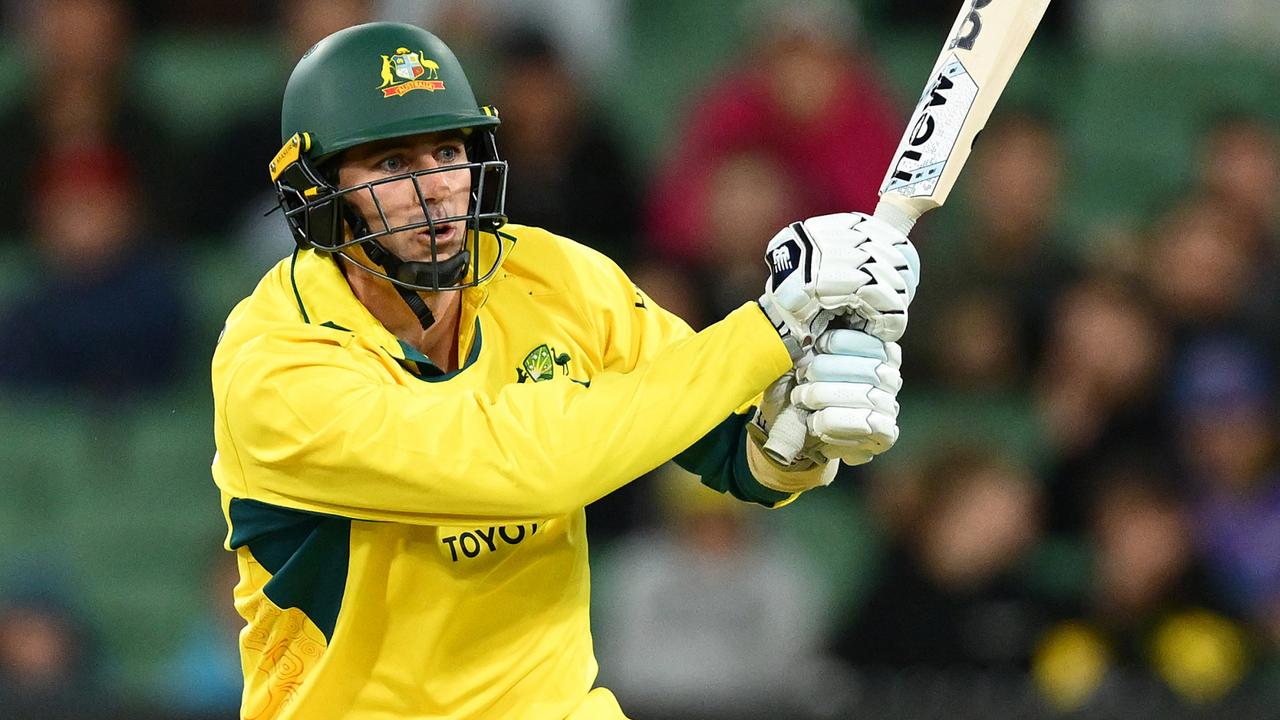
[[447, 239]]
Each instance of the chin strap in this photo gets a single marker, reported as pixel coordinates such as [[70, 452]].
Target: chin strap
[[438, 274]]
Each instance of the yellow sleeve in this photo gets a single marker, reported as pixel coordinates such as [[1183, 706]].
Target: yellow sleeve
[[727, 458], [314, 430]]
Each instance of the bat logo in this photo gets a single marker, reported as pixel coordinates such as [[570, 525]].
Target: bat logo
[[934, 129], [966, 40], [922, 131]]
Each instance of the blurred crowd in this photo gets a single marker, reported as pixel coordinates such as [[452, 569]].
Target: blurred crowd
[[1082, 518]]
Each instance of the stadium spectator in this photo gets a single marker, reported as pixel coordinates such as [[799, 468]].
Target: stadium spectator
[[1239, 163], [573, 174], [804, 93], [1223, 403], [77, 98], [107, 313], [1094, 399], [46, 657], [1200, 267], [1146, 638], [973, 347], [963, 382], [952, 594], [748, 198], [708, 616]]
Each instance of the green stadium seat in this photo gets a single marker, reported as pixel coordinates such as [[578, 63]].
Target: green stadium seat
[[201, 83], [13, 71], [49, 455], [1004, 423], [17, 268], [671, 55], [145, 538], [1132, 128], [124, 496], [839, 542]]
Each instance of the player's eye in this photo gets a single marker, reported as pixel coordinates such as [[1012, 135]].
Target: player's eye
[[449, 154], [393, 164]]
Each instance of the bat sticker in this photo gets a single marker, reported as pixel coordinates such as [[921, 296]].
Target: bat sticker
[[935, 128]]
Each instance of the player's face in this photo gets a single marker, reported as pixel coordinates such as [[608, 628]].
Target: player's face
[[446, 194]]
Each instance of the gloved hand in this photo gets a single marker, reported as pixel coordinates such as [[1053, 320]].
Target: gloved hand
[[845, 399], [843, 264], [851, 388]]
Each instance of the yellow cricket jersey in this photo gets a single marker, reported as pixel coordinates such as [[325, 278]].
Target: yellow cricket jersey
[[412, 543]]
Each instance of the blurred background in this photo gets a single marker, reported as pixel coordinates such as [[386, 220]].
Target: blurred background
[[1081, 520]]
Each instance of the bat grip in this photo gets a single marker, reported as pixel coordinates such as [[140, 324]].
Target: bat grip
[[898, 212]]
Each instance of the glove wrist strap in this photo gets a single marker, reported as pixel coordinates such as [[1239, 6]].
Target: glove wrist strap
[[794, 347]]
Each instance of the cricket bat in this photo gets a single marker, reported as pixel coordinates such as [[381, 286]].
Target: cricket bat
[[986, 42]]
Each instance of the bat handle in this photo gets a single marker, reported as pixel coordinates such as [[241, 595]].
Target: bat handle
[[899, 212]]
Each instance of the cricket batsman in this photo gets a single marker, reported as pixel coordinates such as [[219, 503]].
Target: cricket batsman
[[413, 409]]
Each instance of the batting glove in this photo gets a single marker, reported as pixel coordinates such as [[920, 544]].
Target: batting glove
[[844, 264], [850, 387]]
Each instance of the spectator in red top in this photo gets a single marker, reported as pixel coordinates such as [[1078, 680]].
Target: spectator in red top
[[105, 313], [802, 92]]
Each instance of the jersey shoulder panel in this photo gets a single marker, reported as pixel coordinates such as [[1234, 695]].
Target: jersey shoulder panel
[[555, 262]]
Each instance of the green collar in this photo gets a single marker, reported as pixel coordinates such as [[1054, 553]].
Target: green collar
[[422, 367]]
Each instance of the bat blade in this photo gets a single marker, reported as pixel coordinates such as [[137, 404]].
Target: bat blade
[[986, 42]]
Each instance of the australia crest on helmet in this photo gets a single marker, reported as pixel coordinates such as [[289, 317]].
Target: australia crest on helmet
[[406, 70]]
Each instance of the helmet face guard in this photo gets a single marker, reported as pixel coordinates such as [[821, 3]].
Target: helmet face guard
[[321, 216], [376, 82]]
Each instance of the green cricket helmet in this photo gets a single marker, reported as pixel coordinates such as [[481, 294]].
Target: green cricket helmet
[[369, 83]]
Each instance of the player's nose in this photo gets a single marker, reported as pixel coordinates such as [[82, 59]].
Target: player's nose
[[434, 184]]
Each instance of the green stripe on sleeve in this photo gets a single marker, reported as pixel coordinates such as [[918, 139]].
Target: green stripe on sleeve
[[306, 553], [720, 458]]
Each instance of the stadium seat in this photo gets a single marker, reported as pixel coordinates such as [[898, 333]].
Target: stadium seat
[[13, 71], [1132, 127], [201, 83]]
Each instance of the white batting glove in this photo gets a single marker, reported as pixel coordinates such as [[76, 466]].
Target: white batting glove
[[851, 389], [891, 270], [843, 264]]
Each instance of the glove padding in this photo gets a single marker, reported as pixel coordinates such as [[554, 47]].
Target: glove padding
[[842, 264], [850, 387]]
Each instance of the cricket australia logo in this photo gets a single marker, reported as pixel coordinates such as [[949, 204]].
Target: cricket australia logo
[[541, 363], [407, 71]]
